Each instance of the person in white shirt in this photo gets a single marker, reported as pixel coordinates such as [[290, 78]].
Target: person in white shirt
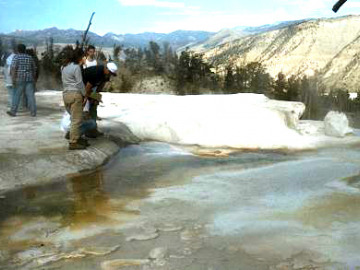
[[90, 60], [8, 79]]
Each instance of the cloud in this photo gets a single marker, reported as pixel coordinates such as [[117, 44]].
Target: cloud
[[154, 3]]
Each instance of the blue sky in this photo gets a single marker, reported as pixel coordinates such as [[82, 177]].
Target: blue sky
[[163, 16]]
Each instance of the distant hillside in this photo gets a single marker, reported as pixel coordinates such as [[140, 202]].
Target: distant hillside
[[230, 34], [329, 46]]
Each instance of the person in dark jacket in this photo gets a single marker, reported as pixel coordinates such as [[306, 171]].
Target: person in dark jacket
[[95, 79]]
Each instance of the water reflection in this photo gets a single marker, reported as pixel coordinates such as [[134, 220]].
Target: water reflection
[[30, 193], [91, 202]]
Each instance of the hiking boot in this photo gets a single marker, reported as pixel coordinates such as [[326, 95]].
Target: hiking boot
[[83, 141], [99, 133], [11, 113], [67, 135], [76, 146], [91, 134], [94, 133]]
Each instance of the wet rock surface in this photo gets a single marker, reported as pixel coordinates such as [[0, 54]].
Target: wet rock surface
[[158, 207], [33, 149], [146, 211]]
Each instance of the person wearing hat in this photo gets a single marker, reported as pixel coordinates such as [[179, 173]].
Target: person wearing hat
[[95, 78]]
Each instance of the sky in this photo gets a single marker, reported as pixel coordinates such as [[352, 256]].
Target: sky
[[161, 16]]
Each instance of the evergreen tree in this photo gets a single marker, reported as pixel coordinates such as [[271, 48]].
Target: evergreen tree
[[280, 87], [293, 90], [182, 72], [241, 79], [229, 83], [154, 57], [169, 59], [259, 81]]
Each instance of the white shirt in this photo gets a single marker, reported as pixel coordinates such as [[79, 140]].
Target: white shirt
[[90, 63], [8, 80]]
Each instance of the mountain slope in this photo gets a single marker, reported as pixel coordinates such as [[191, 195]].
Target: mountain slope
[[328, 46], [232, 34]]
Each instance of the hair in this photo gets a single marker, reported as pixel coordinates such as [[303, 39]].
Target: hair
[[78, 55], [21, 48], [31, 52], [90, 47], [70, 55]]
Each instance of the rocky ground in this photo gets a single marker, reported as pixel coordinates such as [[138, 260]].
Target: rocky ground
[[157, 208], [167, 209], [33, 149]]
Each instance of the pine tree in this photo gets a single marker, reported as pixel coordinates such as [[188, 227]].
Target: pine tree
[[280, 87], [293, 88], [241, 79], [229, 83], [182, 72], [154, 57]]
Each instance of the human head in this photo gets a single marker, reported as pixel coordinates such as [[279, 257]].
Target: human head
[[70, 55], [30, 52], [21, 48], [90, 51], [78, 55], [111, 68]]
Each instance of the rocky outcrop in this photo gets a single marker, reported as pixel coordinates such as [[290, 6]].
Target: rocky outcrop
[[336, 124]]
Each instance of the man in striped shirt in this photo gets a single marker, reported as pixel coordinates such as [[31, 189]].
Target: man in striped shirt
[[23, 73]]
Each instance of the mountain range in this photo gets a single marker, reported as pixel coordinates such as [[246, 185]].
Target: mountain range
[[70, 36], [179, 39]]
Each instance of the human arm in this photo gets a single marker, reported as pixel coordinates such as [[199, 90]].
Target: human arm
[[88, 89], [100, 87], [34, 68]]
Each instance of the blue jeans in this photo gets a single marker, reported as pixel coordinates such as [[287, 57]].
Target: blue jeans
[[10, 95], [29, 88], [87, 125]]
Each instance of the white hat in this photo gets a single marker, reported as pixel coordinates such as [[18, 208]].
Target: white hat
[[112, 68]]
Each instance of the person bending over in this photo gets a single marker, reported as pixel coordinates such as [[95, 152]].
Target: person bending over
[[95, 79]]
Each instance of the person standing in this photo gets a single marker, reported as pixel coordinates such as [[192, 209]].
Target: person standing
[[23, 73], [8, 79], [90, 60], [74, 96]]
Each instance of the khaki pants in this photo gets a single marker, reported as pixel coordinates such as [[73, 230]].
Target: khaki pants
[[73, 105]]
